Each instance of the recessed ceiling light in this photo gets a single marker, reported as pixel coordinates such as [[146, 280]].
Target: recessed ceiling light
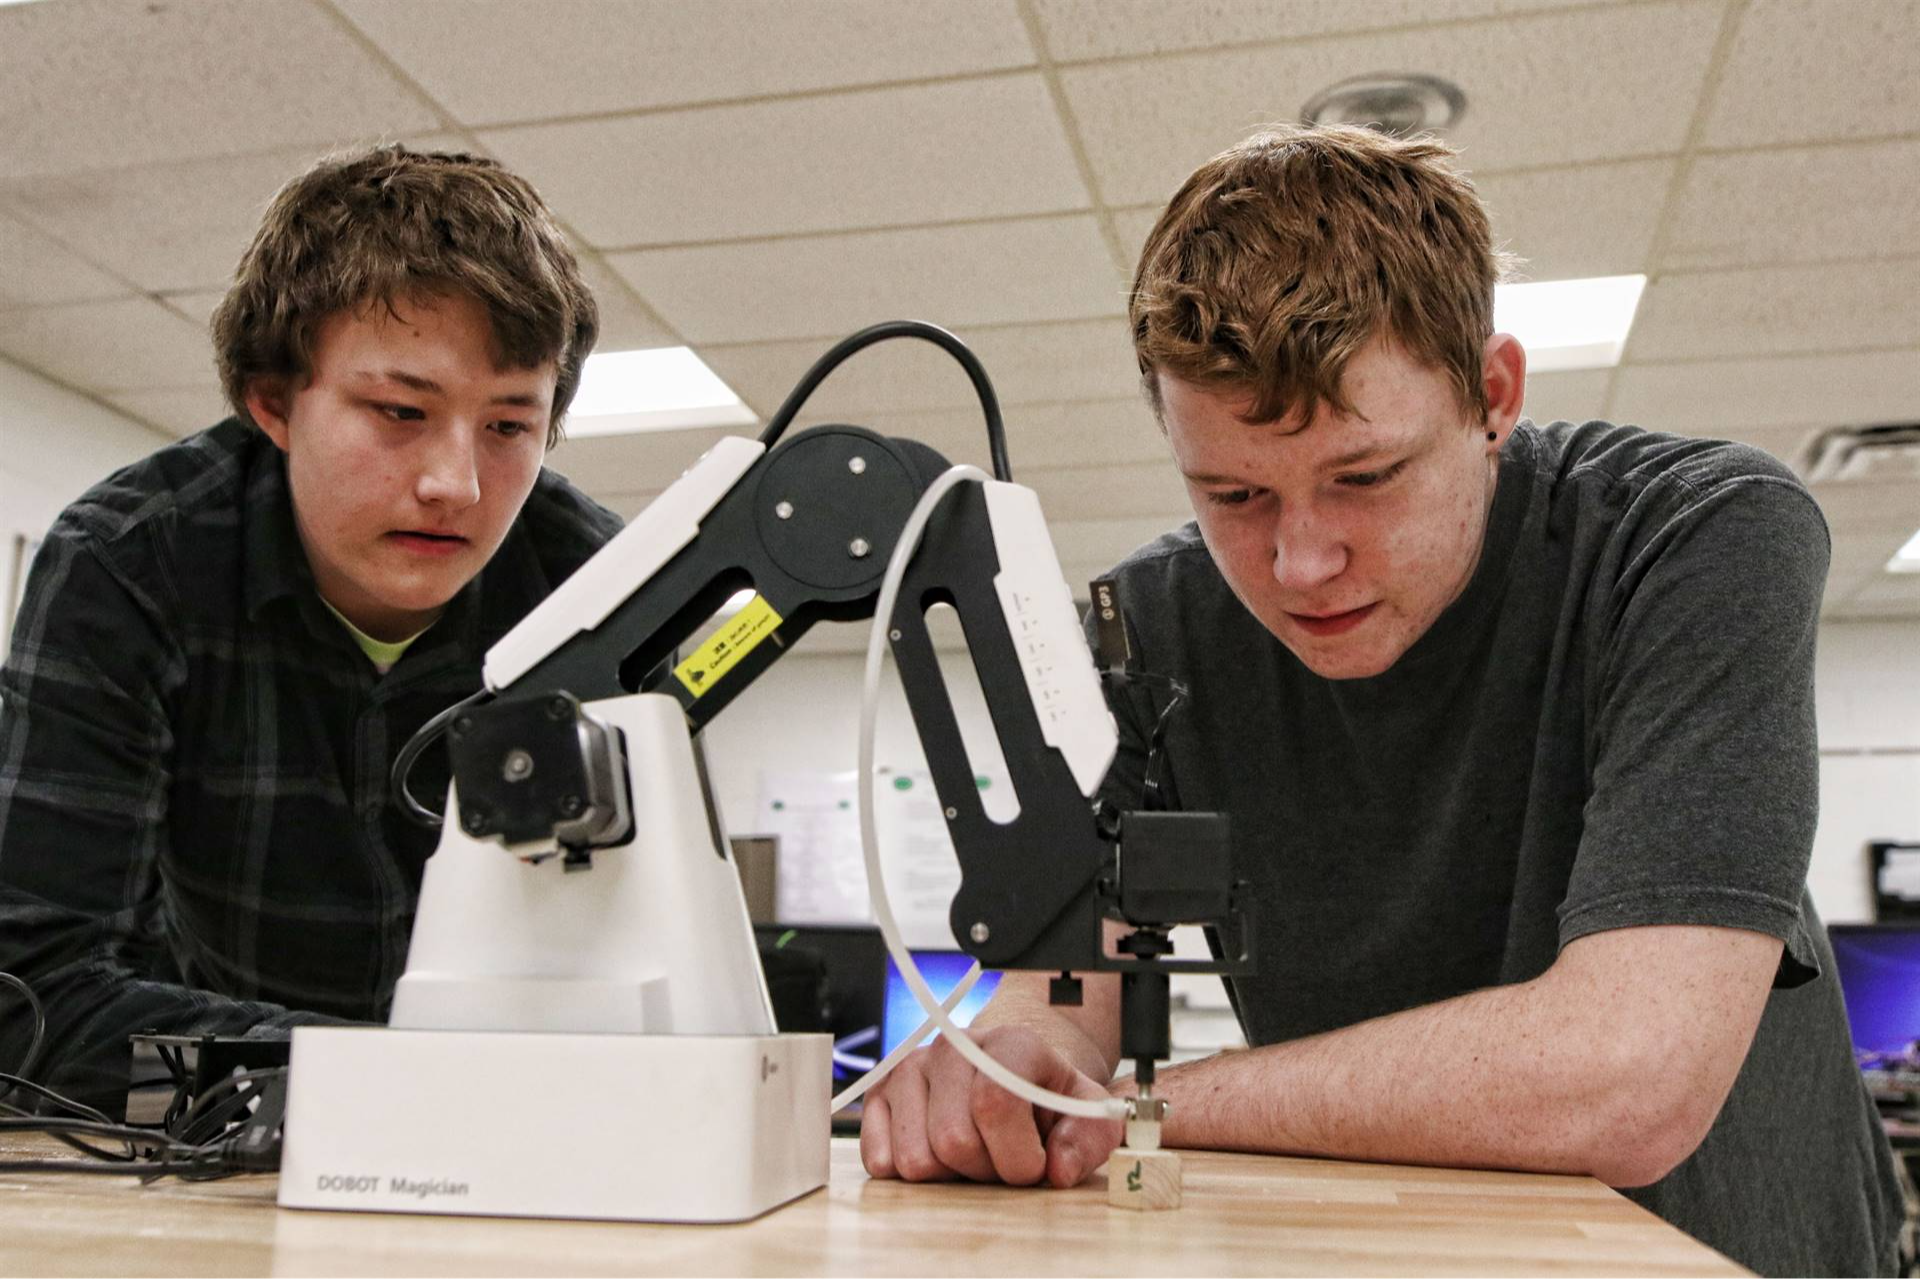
[[665, 388], [1907, 558], [1569, 324]]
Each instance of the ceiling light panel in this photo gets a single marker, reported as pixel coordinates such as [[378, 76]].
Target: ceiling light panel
[[664, 388]]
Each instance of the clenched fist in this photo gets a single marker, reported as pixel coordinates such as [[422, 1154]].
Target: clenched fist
[[936, 1117]]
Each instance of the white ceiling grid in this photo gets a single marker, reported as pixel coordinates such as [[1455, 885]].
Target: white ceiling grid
[[758, 177]]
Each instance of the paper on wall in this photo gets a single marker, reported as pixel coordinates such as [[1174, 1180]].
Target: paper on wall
[[822, 874]]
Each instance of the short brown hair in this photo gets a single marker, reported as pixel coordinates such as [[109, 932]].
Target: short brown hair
[[1281, 258], [377, 226]]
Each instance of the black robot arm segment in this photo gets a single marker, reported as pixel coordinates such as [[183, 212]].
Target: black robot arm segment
[[808, 528], [1020, 880]]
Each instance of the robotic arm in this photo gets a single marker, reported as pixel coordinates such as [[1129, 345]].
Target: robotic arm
[[553, 764]]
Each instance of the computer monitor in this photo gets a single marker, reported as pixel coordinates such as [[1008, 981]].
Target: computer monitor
[[1879, 970], [943, 970]]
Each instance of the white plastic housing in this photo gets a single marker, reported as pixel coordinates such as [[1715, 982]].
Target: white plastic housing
[[655, 938], [1061, 678], [620, 567], [615, 1127]]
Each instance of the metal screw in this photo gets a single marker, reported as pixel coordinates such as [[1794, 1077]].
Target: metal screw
[[858, 465], [570, 805], [980, 932], [952, 813], [559, 708], [518, 766], [463, 726], [859, 547], [474, 819], [893, 635], [784, 510]]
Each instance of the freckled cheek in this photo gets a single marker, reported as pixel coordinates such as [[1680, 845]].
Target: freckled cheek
[[1241, 548]]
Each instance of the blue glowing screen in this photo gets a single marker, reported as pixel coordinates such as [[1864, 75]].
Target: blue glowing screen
[[943, 970], [1879, 970]]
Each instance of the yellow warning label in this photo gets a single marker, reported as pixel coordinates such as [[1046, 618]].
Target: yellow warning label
[[736, 638]]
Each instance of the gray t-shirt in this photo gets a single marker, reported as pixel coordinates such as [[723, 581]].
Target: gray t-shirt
[[1612, 727]]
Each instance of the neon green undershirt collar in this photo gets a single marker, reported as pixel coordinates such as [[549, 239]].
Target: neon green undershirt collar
[[382, 654]]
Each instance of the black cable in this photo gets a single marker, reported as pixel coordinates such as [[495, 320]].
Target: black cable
[[9, 1082], [976, 373], [253, 1147], [1177, 695], [221, 1104], [403, 762], [140, 1168], [66, 1103], [87, 1128]]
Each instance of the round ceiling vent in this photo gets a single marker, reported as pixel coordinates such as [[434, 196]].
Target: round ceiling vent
[[1400, 104]]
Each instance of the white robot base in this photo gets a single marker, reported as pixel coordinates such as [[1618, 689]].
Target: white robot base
[[667, 1128]]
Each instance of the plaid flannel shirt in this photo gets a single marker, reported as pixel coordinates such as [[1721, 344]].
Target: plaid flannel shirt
[[195, 827]]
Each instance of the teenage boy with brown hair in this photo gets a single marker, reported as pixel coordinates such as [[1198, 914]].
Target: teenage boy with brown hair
[[223, 646], [1515, 725]]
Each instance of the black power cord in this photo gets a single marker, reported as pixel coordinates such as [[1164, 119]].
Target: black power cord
[[201, 1144], [410, 753], [837, 355], [9, 1082], [1151, 796]]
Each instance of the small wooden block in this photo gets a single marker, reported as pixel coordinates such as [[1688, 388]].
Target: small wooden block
[[1143, 1179]]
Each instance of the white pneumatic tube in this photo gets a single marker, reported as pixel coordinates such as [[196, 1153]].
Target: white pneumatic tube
[[1024, 1089]]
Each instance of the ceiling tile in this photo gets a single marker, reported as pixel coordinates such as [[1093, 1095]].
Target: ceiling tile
[[496, 61], [1596, 84], [1142, 490], [1001, 272], [35, 270], [1778, 310], [178, 413], [1886, 507], [103, 347], [90, 84], [1107, 542], [1801, 205], [197, 306], [1077, 29], [1596, 219], [1564, 223], [1116, 431], [1026, 363], [1886, 595], [172, 226], [1800, 70], [1737, 397], [626, 323], [608, 468], [1576, 396], [1039, 436], [885, 157], [1858, 558], [1787, 443]]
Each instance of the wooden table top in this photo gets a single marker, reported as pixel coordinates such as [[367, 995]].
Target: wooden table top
[[1243, 1215]]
